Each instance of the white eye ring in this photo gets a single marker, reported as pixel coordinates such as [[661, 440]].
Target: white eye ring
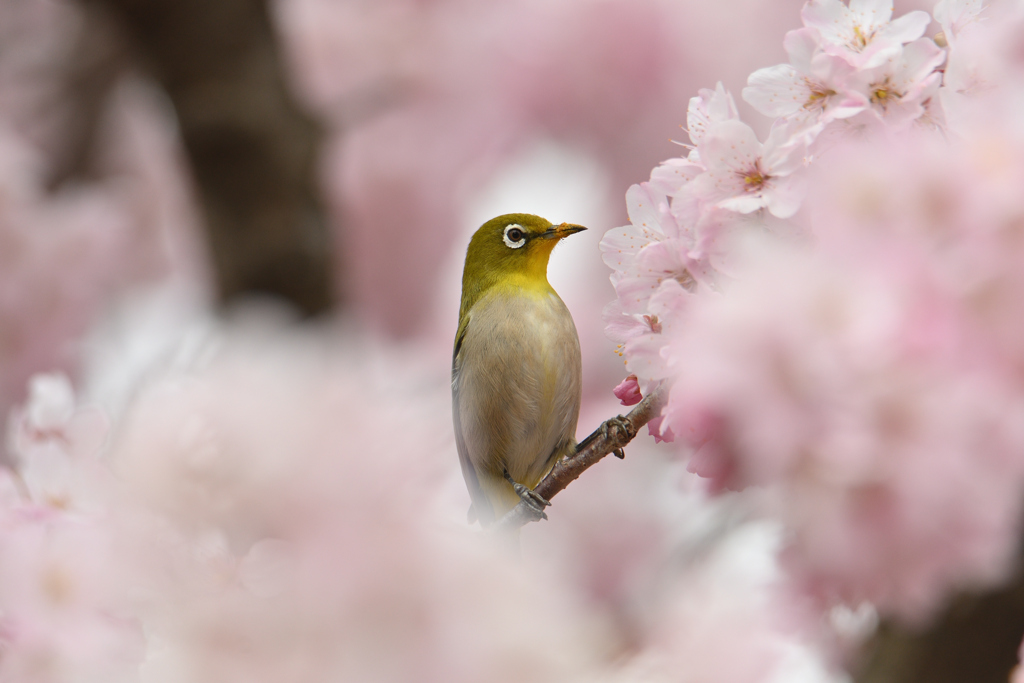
[[508, 240]]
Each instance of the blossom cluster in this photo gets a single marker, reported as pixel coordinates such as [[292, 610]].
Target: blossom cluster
[[255, 515], [852, 69], [68, 249], [834, 311]]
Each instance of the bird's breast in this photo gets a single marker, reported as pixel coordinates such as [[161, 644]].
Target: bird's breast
[[519, 380]]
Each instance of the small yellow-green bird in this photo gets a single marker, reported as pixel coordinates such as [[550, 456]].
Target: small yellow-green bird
[[516, 371]]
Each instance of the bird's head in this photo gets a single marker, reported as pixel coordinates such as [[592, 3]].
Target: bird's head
[[514, 247]]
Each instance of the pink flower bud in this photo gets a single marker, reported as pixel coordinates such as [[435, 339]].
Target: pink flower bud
[[628, 391]]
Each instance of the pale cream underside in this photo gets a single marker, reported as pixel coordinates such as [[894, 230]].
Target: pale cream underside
[[518, 379]]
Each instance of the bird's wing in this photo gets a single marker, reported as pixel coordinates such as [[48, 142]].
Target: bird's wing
[[481, 508]]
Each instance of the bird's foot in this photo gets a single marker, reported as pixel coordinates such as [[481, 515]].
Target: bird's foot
[[618, 422], [533, 500]]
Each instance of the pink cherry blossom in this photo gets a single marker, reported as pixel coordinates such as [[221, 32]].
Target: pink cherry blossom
[[707, 109], [649, 250], [67, 252], [899, 88], [669, 176], [263, 516], [814, 85], [735, 590], [55, 443], [64, 601], [956, 15], [808, 378], [983, 70], [863, 33], [745, 175]]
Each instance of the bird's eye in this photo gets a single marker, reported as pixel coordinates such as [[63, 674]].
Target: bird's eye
[[514, 236]]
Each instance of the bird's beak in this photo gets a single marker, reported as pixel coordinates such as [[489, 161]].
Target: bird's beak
[[557, 232]]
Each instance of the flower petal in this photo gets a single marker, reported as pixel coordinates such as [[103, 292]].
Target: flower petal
[[710, 107], [801, 46], [776, 90]]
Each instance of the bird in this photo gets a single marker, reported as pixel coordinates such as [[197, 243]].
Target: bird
[[516, 366]]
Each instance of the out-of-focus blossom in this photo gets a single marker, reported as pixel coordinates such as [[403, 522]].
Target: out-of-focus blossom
[[295, 533], [890, 440], [810, 379], [981, 85], [64, 601], [733, 601], [65, 596], [55, 444], [67, 252]]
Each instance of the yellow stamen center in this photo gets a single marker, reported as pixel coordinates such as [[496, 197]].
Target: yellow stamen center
[[818, 96], [860, 40], [884, 93]]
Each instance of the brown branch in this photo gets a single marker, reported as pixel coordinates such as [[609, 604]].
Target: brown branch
[[611, 436]]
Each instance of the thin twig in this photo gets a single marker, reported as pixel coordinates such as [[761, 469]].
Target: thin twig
[[611, 436]]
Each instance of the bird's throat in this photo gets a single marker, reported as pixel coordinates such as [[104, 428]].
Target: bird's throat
[[530, 277]]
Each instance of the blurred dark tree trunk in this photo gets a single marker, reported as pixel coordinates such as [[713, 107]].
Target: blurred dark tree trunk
[[84, 82], [975, 640], [252, 150]]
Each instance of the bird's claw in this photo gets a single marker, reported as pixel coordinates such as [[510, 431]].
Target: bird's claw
[[621, 423], [533, 500]]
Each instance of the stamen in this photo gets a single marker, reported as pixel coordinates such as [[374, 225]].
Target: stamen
[[754, 178], [860, 41], [819, 95]]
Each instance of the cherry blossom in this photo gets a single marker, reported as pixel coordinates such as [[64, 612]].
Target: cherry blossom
[[649, 250], [806, 378], [64, 591], [899, 88], [67, 252], [956, 15], [708, 108], [855, 359], [55, 443], [863, 33], [814, 85], [64, 601], [745, 175]]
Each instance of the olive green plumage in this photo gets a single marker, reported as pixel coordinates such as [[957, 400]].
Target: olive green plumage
[[516, 371]]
